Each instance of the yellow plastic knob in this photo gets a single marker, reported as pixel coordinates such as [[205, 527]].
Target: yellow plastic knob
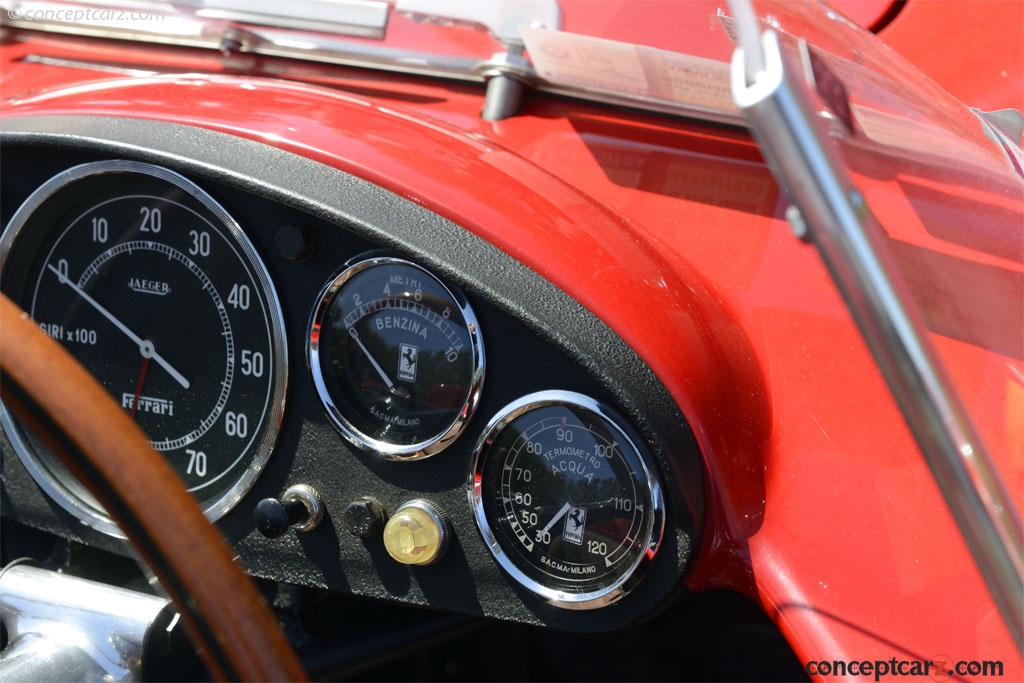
[[415, 534]]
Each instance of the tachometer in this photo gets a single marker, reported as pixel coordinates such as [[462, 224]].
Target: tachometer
[[397, 358], [154, 288], [565, 499]]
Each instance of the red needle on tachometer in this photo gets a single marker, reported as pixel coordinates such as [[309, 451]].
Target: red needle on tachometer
[[138, 385]]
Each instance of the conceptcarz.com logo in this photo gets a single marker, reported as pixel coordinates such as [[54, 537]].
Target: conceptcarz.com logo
[[939, 668]]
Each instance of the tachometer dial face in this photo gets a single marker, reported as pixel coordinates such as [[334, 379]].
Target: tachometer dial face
[[153, 287], [397, 358], [565, 499]]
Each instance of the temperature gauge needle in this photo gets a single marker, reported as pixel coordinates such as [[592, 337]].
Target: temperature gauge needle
[[146, 348], [558, 516]]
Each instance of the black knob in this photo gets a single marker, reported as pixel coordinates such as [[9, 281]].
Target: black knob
[[273, 517]]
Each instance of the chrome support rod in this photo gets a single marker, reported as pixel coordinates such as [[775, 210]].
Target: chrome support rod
[[776, 103], [61, 628]]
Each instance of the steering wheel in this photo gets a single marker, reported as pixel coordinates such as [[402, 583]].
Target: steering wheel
[[228, 620]]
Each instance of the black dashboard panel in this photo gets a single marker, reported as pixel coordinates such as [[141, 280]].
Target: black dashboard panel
[[536, 336]]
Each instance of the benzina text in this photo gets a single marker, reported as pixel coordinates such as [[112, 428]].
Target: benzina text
[[937, 668]]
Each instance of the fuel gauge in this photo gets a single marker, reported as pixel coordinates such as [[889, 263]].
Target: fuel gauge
[[396, 357]]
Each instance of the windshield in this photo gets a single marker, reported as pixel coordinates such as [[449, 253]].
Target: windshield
[[656, 54], [945, 184]]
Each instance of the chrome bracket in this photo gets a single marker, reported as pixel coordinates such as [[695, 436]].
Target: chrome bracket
[[508, 74], [833, 215]]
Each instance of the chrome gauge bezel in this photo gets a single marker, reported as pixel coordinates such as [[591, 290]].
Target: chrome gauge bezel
[[435, 442], [630, 576], [259, 449]]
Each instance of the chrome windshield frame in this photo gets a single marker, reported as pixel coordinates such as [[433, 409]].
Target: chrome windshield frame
[[828, 211]]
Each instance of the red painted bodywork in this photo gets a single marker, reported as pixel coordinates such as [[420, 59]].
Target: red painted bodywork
[[819, 504], [974, 50]]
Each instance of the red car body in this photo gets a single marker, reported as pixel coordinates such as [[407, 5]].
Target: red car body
[[672, 231]]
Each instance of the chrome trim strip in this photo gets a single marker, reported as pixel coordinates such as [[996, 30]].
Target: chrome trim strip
[[83, 64], [500, 19], [365, 18], [851, 243], [164, 24], [194, 18], [183, 30]]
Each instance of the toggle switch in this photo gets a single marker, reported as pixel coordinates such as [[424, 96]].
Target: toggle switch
[[299, 506]]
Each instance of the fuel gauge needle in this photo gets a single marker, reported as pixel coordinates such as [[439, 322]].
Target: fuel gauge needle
[[373, 361], [146, 348]]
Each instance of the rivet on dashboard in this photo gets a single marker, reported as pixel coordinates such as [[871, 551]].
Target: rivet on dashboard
[[294, 242]]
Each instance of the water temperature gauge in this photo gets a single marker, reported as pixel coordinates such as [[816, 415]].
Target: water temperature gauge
[[396, 357], [565, 499]]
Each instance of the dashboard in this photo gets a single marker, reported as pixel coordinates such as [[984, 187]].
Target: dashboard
[[475, 440], [574, 358]]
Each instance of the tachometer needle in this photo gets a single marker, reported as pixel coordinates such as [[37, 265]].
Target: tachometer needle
[[146, 348], [138, 385], [373, 361]]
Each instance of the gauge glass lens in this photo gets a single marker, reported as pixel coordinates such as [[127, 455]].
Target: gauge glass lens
[[565, 499], [397, 358], [154, 288]]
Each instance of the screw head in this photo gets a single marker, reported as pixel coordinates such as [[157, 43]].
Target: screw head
[[365, 517]]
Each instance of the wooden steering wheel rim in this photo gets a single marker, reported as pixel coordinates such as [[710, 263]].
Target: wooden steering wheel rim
[[231, 625]]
